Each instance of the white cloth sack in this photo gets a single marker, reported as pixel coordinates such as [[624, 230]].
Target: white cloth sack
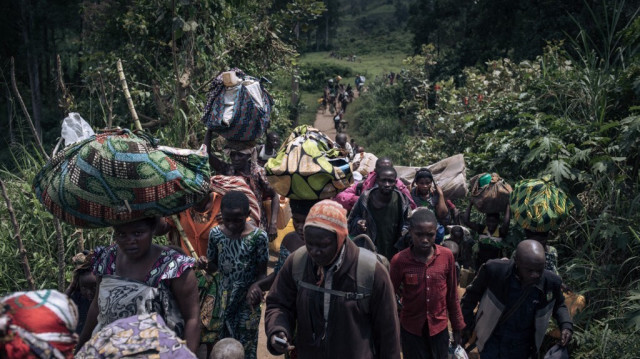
[[230, 93]]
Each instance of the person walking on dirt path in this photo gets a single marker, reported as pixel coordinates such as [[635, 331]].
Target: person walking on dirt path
[[491, 234], [238, 252], [343, 145], [269, 149], [516, 299], [349, 197], [381, 213], [244, 163], [425, 277], [331, 316]]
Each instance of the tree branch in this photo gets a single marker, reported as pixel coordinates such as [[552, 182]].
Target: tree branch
[[21, 250], [16, 93]]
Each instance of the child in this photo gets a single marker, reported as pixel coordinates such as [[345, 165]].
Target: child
[[227, 348], [426, 273], [83, 286], [455, 250], [491, 234], [465, 243], [239, 252]]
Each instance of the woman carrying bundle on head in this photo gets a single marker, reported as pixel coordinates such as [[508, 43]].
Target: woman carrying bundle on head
[[136, 276], [239, 252]]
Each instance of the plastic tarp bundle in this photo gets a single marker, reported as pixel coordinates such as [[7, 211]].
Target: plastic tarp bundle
[[449, 174], [492, 197], [117, 177], [308, 166], [538, 205], [238, 113]]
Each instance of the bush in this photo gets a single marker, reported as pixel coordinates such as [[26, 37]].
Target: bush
[[315, 76]]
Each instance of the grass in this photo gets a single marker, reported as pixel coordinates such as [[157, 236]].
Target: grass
[[370, 66]]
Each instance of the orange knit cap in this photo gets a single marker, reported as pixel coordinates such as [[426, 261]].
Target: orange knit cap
[[329, 215]]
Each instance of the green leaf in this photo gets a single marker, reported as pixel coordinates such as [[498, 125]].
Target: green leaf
[[559, 169]]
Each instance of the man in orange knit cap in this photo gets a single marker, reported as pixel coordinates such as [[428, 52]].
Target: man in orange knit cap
[[337, 297]]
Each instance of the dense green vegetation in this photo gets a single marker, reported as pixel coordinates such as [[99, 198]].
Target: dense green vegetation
[[572, 113]]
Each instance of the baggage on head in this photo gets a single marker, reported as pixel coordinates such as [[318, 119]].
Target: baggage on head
[[539, 205], [493, 197], [117, 177], [450, 174], [308, 166], [238, 107]]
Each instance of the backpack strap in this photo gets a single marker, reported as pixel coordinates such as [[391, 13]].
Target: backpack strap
[[299, 264], [365, 273]]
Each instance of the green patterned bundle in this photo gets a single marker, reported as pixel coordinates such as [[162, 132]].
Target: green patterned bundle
[[538, 205], [117, 177], [308, 167]]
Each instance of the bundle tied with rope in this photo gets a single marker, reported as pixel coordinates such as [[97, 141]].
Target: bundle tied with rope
[[120, 176], [308, 166]]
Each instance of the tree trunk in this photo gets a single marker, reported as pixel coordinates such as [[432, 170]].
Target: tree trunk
[[32, 66], [295, 98], [326, 31]]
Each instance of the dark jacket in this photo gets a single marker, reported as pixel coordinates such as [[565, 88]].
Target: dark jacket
[[490, 288], [361, 211], [351, 332]]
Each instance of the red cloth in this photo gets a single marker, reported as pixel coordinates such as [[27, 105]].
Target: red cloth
[[348, 197], [37, 324], [429, 291]]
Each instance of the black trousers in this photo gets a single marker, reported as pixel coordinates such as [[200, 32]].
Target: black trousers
[[425, 346]]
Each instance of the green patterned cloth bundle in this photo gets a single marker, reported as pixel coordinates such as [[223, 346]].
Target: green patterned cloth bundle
[[119, 176], [538, 205]]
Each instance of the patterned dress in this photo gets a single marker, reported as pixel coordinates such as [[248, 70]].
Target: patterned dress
[[237, 261], [139, 336], [121, 297]]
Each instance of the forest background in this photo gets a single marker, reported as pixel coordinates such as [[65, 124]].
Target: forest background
[[524, 89]]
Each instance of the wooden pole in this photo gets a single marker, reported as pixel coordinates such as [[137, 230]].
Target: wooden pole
[[134, 114], [21, 250], [127, 96]]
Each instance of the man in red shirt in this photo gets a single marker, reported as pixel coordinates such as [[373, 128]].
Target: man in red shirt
[[424, 275]]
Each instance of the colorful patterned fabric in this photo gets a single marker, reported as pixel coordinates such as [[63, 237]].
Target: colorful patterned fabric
[[37, 324], [237, 261], [538, 205], [248, 122], [223, 184], [121, 297], [140, 336], [196, 225], [117, 177], [309, 166]]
